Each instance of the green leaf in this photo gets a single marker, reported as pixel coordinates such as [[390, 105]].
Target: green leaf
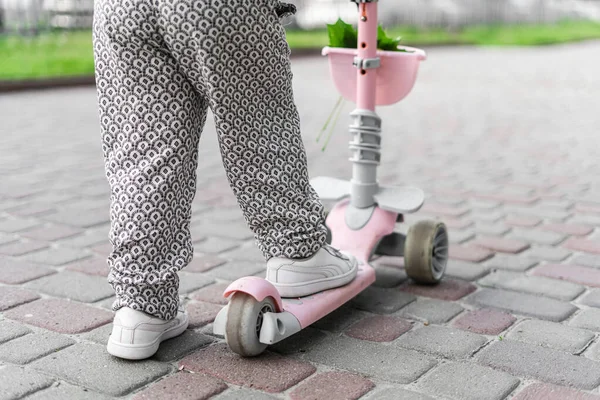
[[342, 34], [384, 42]]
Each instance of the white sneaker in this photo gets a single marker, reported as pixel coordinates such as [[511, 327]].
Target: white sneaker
[[137, 335], [327, 269]]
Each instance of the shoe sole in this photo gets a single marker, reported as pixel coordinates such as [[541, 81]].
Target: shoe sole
[[303, 289], [141, 352]]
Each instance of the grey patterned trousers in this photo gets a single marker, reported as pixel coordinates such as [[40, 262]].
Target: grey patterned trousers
[[160, 64]]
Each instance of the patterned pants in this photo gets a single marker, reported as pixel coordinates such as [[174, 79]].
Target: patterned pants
[[160, 64]]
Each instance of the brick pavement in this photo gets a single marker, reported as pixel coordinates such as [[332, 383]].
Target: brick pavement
[[504, 141]]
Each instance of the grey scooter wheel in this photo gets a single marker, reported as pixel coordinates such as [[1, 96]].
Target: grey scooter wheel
[[426, 252], [244, 320]]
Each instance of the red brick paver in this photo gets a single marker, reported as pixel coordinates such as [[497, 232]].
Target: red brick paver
[[91, 266], [544, 391], [379, 328], [569, 229], [508, 198], [13, 272], [269, 372], [502, 245], [333, 386], [568, 272], [585, 245], [522, 221], [60, 315], [11, 297], [485, 321], [50, 233], [202, 313], [469, 253], [212, 294], [184, 386], [448, 289], [444, 210]]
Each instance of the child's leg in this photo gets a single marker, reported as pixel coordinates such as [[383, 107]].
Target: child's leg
[[236, 51], [151, 118]]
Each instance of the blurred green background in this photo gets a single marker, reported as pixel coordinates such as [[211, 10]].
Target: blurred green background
[[44, 39]]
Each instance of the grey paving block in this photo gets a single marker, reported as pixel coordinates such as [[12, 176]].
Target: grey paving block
[[541, 363], [228, 230], [27, 348], [92, 367], [215, 245], [16, 382], [538, 285], [7, 238], [245, 394], [80, 218], [587, 319], [65, 391], [524, 304], [462, 381], [382, 301], [546, 253], [89, 238], [176, 348], [542, 213], [12, 330], [511, 262], [587, 260], [188, 282], [538, 236], [12, 225], [396, 393], [234, 270], [491, 229], [388, 277], [442, 341], [99, 335], [432, 311], [299, 342], [389, 363], [551, 334], [74, 286], [460, 236], [465, 270], [591, 298], [249, 253], [56, 256], [338, 320]]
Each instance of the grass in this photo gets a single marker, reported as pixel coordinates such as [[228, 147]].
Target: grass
[[70, 54]]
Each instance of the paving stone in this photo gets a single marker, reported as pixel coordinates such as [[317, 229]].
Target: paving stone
[[236, 269], [89, 238], [214, 245], [541, 363], [398, 393], [491, 229], [460, 236], [230, 230], [385, 362], [56, 256], [203, 263], [537, 285], [75, 286], [568, 272], [465, 270], [80, 218], [65, 391], [339, 319], [591, 299], [487, 216], [538, 236], [270, 372], [587, 319], [12, 297], [184, 386], [22, 247], [12, 225], [587, 260], [502, 245], [97, 266], [485, 321], [211, 294], [543, 391], [522, 221], [245, 394], [379, 328], [508, 198], [542, 213], [524, 304], [51, 233], [7, 238], [18, 382], [201, 313], [188, 282], [432, 311], [249, 253], [444, 210], [27, 348], [546, 253], [585, 245], [103, 249], [569, 229], [387, 277], [461, 381], [90, 366], [447, 289], [100, 335], [381, 301], [510, 262], [469, 253], [299, 342], [60, 315], [333, 386], [176, 348], [442, 341], [551, 334], [11, 330]]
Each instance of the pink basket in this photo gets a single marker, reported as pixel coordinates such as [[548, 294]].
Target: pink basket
[[395, 78]]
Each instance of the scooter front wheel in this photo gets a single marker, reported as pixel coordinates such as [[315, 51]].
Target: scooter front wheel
[[426, 252], [244, 321]]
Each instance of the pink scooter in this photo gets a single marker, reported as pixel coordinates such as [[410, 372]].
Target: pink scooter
[[363, 221]]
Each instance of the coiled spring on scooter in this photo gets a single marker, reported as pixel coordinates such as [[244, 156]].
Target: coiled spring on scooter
[[365, 128]]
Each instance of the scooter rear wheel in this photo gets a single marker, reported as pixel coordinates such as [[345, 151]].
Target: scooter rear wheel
[[426, 252], [244, 321]]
